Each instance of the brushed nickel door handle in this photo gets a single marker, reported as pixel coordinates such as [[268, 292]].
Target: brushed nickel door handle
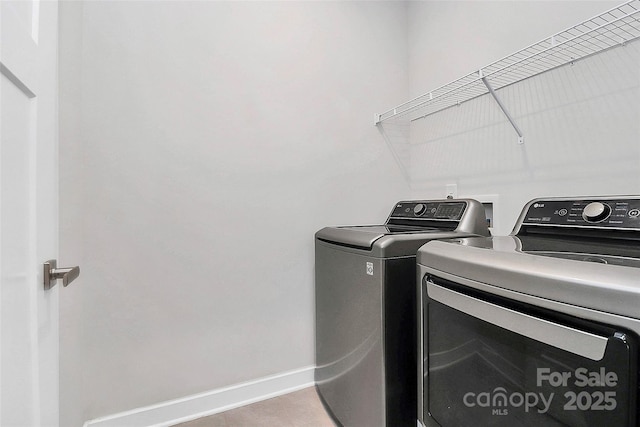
[[52, 274]]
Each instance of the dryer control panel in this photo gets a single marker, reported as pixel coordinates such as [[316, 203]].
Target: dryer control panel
[[433, 210], [619, 213]]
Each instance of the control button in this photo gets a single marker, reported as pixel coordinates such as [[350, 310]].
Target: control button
[[596, 212], [563, 212], [419, 209], [634, 213]]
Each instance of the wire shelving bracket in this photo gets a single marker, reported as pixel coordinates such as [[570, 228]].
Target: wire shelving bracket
[[610, 29]]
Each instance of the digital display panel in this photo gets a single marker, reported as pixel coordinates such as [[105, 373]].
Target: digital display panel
[[449, 211]]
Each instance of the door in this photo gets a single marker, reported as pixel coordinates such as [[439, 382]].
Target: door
[[494, 361], [28, 212]]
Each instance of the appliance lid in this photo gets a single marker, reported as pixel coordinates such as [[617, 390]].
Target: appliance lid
[[409, 225], [612, 252], [364, 236]]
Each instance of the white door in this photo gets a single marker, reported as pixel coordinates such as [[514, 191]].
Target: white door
[[28, 212]]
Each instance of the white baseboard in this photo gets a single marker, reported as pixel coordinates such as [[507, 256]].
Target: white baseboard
[[200, 405]]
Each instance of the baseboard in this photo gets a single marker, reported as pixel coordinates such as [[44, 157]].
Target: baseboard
[[200, 405]]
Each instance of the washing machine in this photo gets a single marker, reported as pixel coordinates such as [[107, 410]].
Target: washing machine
[[366, 353], [538, 328]]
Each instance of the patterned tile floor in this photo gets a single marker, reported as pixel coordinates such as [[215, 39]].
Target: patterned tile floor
[[299, 409]]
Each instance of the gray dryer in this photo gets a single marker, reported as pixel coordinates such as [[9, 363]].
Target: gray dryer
[[539, 328]]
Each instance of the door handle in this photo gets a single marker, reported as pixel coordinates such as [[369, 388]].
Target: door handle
[[52, 274], [585, 344]]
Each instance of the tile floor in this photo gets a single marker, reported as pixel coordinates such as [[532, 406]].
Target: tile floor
[[298, 409]]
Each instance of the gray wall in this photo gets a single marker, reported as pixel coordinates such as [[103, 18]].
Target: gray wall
[[581, 122], [202, 145]]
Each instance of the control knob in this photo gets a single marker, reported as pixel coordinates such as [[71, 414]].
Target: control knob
[[596, 212], [419, 209]]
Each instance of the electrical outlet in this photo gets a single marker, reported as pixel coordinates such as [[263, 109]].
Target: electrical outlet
[[452, 191]]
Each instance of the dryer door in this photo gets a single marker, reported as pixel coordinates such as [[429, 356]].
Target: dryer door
[[498, 362]]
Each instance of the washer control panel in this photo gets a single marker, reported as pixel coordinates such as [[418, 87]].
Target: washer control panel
[[606, 213], [434, 210]]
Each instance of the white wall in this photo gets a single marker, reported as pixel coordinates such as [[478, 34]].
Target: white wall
[[581, 122], [202, 145]]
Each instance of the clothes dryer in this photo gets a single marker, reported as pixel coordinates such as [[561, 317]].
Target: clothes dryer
[[366, 309], [539, 328]]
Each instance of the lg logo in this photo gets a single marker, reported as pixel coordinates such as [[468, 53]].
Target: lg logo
[[370, 268]]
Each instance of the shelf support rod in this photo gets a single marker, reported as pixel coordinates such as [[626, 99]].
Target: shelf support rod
[[503, 108]]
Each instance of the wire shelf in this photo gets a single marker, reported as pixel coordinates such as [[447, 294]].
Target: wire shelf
[[612, 28]]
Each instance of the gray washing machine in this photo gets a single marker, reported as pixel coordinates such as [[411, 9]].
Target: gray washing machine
[[539, 328], [366, 351]]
